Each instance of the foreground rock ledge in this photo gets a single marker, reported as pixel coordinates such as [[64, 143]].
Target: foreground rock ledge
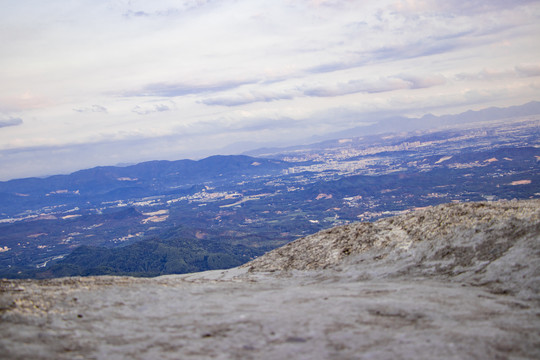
[[457, 281]]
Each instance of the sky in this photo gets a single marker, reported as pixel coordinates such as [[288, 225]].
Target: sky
[[88, 83]]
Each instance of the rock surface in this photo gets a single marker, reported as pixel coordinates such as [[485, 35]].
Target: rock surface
[[458, 281], [495, 245]]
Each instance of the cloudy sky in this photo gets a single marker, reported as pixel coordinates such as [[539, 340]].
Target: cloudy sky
[[87, 83]]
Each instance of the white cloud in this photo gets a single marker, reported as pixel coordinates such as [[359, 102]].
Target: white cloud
[[248, 98], [252, 67], [522, 70], [146, 109], [181, 89], [380, 85], [91, 109], [455, 7]]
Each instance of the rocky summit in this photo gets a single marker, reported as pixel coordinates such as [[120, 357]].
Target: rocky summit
[[456, 281]]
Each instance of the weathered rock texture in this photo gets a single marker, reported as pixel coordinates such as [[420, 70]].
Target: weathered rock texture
[[489, 244], [458, 281]]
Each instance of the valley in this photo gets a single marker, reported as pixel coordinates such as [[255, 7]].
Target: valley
[[243, 206]]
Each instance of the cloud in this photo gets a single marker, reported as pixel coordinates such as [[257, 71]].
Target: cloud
[[380, 85], [328, 3], [423, 28], [262, 124], [92, 109], [351, 87], [151, 108], [181, 89], [393, 83], [247, 98], [241, 122], [410, 50], [131, 13], [524, 70], [10, 122], [422, 82], [455, 7], [528, 70], [163, 8], [356, 86]]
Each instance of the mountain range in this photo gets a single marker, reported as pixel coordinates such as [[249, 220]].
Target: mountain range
[[110, 183], [429, 121]]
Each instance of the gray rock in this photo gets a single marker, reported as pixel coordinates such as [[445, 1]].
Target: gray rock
[[458, 281], [490, 244]]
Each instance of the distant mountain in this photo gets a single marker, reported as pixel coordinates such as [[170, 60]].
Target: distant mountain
[[110, 183], [104, 178], [429, 121], [492, 113]]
